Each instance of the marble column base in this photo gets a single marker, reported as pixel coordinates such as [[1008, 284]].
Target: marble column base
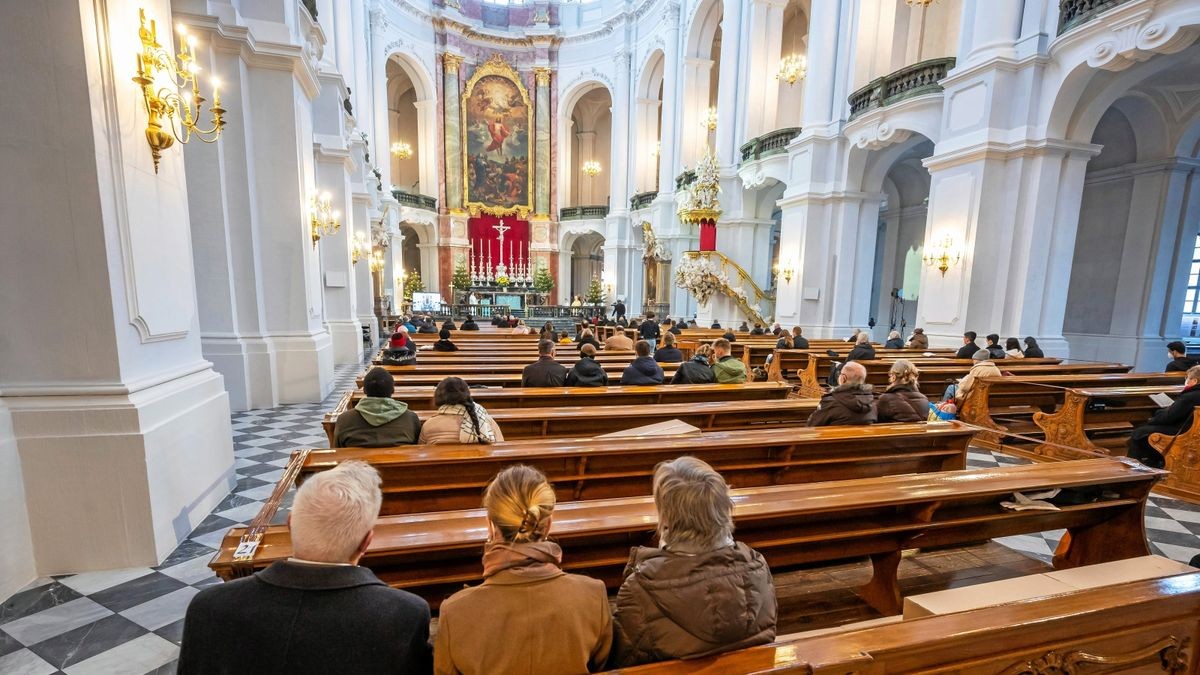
[[347, 340], [248, 366], [304, 367]]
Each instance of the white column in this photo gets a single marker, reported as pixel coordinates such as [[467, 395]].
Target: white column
[[668, 159], [693, 136], [762, 102], [382, 141], [730, 87], [619, 141], [990, 30], [587, 143], [427, 146], [121, 426], [823, 48]]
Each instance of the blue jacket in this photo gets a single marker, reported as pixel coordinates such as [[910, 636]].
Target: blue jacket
[[643, 370]]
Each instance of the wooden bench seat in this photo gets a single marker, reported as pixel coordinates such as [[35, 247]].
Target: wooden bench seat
[[1096, 421], [492, 376], [433, 554], [1182, 454], [442, 477]]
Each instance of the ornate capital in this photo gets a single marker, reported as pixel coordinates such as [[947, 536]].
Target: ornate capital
[[671, 11], [451, 62], [542, 76], [379, 20]]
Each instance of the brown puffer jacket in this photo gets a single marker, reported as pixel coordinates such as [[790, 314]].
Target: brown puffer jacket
[[902, 403], [673, 605], [847, 404]]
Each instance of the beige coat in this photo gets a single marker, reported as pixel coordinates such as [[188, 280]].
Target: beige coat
[[618, 343], [980, 369], [444, 429], [515, 624]]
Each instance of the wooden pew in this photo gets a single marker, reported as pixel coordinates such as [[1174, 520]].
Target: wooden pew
[[444, 477], [495, 376], [1096, 421], [433, 554], [571, 421], [1148, 626], [1182, 454]]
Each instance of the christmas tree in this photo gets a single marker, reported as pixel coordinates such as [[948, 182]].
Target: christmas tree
[[413, 284], [542, 281], [462, 278], [595, 292]]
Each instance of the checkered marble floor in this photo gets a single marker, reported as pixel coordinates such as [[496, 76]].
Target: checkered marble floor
[[131, 620]]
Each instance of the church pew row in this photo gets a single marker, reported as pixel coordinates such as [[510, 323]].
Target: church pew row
[[433, 554], [445, 477], [564, 421], [1182, 454], [1146, 626], [494, 376]]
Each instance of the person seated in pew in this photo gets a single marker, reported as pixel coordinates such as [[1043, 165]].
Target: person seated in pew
[[548, 332], [776, 329], [784, 342], [401, 342], [673, 327], [520, 328], [643, 369], [427, 326], [1012, 349], [853, 339], [497, 320], [981, 368], [619, 342], [587, 337], [545, 372], [903, 400], [459, 418], [408, 324], [850, 403], [969, 347], [528, 615], [444, 344], [995, 351], [744, 328], [716, 325], [621, 322], [699, 592], [918, 340], [469, 324], [1171, 420], [635, 324], [894, 341], [727, 369], [1032, 350], [728, 335], [564, 338], [586, 372], [1180, 362], [862, 350], [318, 611], [448, 324], [377, 420], [668, 353], [758, 329], [697, 370], [798, 339]]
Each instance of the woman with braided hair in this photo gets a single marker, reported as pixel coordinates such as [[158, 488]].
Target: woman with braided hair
[[459, 418], [528, 616]]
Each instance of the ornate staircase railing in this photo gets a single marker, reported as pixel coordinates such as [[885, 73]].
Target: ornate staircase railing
[[752, 300], [685, 179], [773, 143], [919, 78], [1072, 13], [582, 212], [415, 200]]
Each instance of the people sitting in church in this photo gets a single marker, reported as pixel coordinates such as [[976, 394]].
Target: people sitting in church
[[548, 332], [635, 323], [622, 321], [969, 347], [408, 324], [528, 615], [1171, 420], [728, 335], [798, 339], [545, 372], [648, 330], [499, 320], [918, 340], [401, 342], [587, 337], [903, 400], [459, 418], [564, 338], [758, 329], [726, 368], [715, 325], [850, 403], [469, 324], [643, 369], [776, 329], [377, 420], [1032, 350], [448, 324], [862, 350], [743, 328], [853, 339], [699, 592], [520, 328], [285, 617], [1012, 349], [427, 326], [444, 344], [668, 353], [784, 342], [673, 327], [894, 341], [1180, 362], [995, 351], [982, 367], [619, 342], [586, 372], [696, 370]]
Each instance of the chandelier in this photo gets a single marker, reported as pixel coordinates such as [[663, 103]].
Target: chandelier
[[361, 249], [591, 168], [401, 150], [171, 93], [944, 255], [709, 119], [376, 261], [324, 219], [793, 67]]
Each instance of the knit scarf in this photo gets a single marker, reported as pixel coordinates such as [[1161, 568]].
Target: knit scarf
[[532, 559], [466, 432]]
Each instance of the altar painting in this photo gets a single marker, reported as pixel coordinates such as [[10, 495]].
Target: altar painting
[[497, 141]]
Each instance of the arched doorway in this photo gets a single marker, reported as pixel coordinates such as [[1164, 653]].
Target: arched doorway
[[590, 125], [587, 262], [648, 125], [409, 151]]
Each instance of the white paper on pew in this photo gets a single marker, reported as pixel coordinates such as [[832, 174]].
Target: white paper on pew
[[1032, 502], [1162, 400], [668, 428]]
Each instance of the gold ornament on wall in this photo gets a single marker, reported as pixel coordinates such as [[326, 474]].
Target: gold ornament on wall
[[323, 218], [943, 255]]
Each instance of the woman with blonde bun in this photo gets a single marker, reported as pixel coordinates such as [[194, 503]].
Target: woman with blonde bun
[[528, 616]]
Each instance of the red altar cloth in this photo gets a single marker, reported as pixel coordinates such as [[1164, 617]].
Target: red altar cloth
[[708, 235], [482, 233]]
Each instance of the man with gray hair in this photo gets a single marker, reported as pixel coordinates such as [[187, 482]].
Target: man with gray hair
[[1171, 420], [850, 403], [700, 592], [318, 611]]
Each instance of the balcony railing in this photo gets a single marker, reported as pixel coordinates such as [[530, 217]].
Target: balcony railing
[[685, 179], [773, 143], [1072, 13], [582, 212], [415, 200], [641, 200], [919, 78]]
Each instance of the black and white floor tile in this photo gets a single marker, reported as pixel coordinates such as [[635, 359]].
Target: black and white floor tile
[[131, 620]]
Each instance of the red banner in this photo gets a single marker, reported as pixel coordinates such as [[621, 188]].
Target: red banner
[[485, 237], [708, 235]]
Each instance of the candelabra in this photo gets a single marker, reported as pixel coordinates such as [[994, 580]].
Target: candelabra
[[376, 261], [361, 248], [709, 120], [401, 150], [162, 81], [324, 219], [944, 255], [793, 67]]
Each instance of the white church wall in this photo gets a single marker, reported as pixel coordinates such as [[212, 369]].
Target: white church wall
[[17, 566]]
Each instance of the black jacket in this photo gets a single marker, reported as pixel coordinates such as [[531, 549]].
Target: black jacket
[[449, 325], [293, 618], [799, 342], [1179, 365], [586, 373], [444, 346], [1177, 416], [902, 403], [846, 404], [668, 355], [862, 352], [894, 343], [996, 352], [545, 372], [781, 343], [643, 370], [649, 331], [675, 330], [967, 351], [427, 328], [1034, 352], [695, 371], [619, 309], [469, 324], [758, 330], [589, 340]]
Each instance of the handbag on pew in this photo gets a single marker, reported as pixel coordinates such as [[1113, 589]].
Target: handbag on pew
[[942, 412]]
